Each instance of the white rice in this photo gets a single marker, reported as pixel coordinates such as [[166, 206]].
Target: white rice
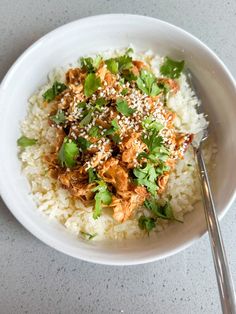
[[58, 204]]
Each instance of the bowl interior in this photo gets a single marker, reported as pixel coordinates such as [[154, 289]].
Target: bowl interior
[[214, 85]]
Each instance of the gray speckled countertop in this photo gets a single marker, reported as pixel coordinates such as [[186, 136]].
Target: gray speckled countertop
[[35, 278]]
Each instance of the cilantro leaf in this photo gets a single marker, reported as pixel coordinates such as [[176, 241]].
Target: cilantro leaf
[[91, 84], [119, 64], [122, 107], [94, 132], [147, 83], [112, 66], [55, 90], [129, 76], [59, 117], [146, 223], [102, 196], [172, 68], [92, 175], [124, 62], [150, 123], [90, 64], [147, 176], [24, 141], [152, 140], [160, 210], [83, 143], [68, 153], [87, 235]]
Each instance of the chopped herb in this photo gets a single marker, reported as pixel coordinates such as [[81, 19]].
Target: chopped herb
[[59, 117], [55, 90], [94, 132], [147, 83], [189, 165], [150, 123], [91, 84], [147, 176], [90, 64], [112, 66], [103, 196], [92, 175], [88, 236], [119, 64], [159, 209], [87, 119], [172, 68], [68, 153], [156, 146], [146, 223], [153, 140], [83, 143], [122, 107], [24, 141], [124, 91], [129, 76], [124, 62]]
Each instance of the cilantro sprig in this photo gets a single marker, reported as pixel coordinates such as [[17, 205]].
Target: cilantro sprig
[[147, 176], [68, 153], [150, 123], [160, 209], [147, 83], [122, 65], [156, 147], [90, 64], [172, 68], [55, 90], [102, 197]]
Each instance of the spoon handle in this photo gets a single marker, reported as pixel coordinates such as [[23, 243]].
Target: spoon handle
[[224, 279]]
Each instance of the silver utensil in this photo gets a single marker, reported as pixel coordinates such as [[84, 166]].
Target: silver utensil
[[224, 278]]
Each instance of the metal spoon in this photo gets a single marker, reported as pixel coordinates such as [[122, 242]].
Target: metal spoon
[[224, 278]]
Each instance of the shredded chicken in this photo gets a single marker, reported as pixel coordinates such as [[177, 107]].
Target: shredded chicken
[[108, 139]]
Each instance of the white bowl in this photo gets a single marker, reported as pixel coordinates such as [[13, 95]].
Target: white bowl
[[215, 86]]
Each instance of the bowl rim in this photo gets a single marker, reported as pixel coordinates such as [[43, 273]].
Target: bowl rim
[[46, 237]]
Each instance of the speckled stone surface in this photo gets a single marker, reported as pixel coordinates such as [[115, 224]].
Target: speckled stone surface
[[35, 278]]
